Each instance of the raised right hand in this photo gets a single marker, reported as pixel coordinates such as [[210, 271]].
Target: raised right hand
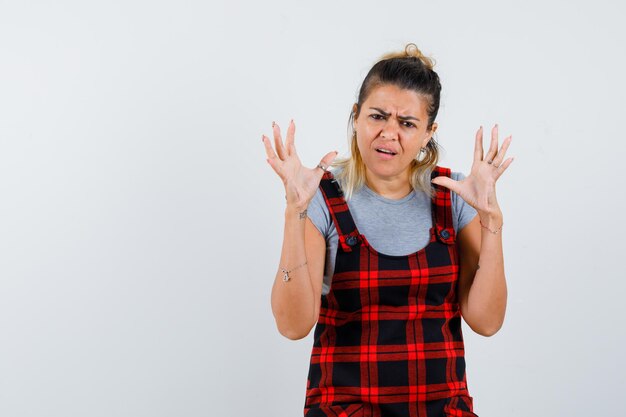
[[301, 183]]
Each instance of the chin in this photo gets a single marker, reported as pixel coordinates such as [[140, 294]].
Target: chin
[[384, 171]]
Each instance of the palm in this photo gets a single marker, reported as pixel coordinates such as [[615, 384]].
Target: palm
[[300, 182], [478, 189]]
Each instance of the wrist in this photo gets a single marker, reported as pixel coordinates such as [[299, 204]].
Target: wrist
[[492, 222], [494, 217], [299, 212]]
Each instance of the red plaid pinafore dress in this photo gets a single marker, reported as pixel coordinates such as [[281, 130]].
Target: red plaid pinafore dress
[[388, 340]]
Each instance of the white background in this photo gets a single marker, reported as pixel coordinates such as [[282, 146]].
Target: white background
[[140, 226]]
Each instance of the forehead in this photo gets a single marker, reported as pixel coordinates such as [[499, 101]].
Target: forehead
[[394, 99]]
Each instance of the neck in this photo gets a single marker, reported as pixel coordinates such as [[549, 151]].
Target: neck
[[394, 187]]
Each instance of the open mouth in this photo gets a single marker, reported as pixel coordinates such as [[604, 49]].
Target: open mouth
[[385, 151]]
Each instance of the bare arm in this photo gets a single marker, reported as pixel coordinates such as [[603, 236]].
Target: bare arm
[[482, 288], [296, 301]]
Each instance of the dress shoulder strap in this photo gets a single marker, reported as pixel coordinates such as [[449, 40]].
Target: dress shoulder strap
[[347, 231], [442, 208]]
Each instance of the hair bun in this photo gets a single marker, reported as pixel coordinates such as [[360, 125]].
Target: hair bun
[[412, 51]]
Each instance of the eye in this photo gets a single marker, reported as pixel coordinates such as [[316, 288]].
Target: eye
[[377, 116], [408, 124]]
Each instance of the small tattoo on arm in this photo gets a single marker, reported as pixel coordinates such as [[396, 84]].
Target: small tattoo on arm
[[303, 214]]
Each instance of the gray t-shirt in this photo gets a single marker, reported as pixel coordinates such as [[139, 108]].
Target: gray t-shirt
[[393, 227]]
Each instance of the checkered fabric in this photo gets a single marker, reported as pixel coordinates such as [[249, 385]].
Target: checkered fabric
[[388, 341]]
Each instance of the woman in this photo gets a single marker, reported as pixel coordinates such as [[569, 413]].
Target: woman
[[388, 338]]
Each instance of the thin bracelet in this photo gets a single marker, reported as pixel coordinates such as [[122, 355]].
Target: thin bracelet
[[495, 232], [286, 276]]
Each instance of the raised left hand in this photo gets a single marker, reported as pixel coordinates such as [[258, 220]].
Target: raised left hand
[[478, 189]]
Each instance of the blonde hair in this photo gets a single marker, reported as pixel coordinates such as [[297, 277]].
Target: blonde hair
[[411, 70], [411, 51]]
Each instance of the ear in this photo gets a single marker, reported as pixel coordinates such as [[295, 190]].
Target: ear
[[429, 135], [355, 108]]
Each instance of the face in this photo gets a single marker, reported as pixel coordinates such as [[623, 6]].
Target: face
[[391, 129]]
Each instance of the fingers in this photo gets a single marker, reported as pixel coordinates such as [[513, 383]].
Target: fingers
[[447, 182], [289, 142], [280, 149], [478, 145], [325, 162], [497, 161], [272, 158], [493, 146], [268, 147], [276, 158], [504, 166], [329, 158]]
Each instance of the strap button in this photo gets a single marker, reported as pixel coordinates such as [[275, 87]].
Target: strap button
[[444, 234], [352, 240]]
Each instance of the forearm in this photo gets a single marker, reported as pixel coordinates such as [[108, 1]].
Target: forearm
[[293, 302], [488, 293]]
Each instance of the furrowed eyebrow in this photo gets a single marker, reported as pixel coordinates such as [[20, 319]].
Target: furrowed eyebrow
[[381, 111], [384, 113]]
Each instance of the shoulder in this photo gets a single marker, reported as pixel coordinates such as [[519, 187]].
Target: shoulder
[[318, 211]]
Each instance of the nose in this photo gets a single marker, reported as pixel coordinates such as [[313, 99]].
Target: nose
[[391, 129]]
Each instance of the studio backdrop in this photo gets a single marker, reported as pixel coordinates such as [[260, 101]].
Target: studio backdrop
[[141, 227]]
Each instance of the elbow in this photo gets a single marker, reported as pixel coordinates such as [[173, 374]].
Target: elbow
[[484, 322], [484, 325], [486, 329], [293, 334], [294, 325], [291, 328], [293, 331]]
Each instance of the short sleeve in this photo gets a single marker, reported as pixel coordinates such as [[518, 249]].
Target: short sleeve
[[319, 214], [462, 213]]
